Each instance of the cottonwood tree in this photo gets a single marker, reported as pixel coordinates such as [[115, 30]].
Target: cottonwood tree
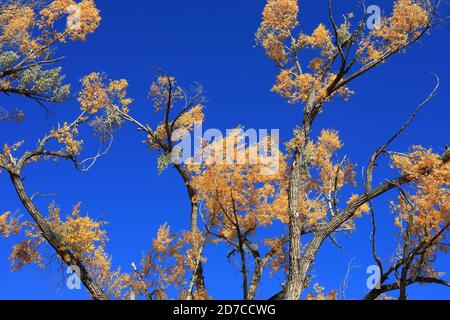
[[243, 191], [274, 210], [77, 240], [343, 53], [180, 110], [29, 33]]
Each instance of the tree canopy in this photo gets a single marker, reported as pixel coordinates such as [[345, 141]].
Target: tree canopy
[[272, 206]]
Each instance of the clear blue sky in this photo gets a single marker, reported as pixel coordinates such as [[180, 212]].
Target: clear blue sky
[[212, 42]]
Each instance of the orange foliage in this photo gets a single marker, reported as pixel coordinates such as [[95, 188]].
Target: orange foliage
[[408, 20], [96, 95], [89, 17], [327, 178], [424, 211], [169, 263], [18, 22], [81, 235], [309, 81], [320, 295], [66, 136], [9, 225]]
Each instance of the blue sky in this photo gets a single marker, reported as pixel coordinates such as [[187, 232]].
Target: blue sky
[[212, 42]]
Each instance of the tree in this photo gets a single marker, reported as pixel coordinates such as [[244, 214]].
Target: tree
[[29, 34], [272, 207], [49, 228], [346, 54]]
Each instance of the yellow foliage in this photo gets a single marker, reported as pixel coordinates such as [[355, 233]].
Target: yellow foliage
[[307, 87], [428, 208], [309, 81], [295, 87], [16, 22], [280, 15], [81, 235], [96, 95], [424, 211], [279, 18], [171, 259], [228, 185], [320, 39], [188, 119], [163, 240], [86, 239], [184, 123], [84, 15], [66, 135], [279, 259], [25, 253], [320, 295], [165, 91], [9, 226], [408, 20], [326, 177]]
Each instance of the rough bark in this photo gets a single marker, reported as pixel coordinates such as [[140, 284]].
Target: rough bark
[[260, 264], [293, 283], [313, 247], [254, 281], [299, 171], [193, 224]]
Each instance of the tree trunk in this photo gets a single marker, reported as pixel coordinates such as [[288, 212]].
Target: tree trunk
[[299, 172], [293, 283], [255, 280], [193, 223]]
